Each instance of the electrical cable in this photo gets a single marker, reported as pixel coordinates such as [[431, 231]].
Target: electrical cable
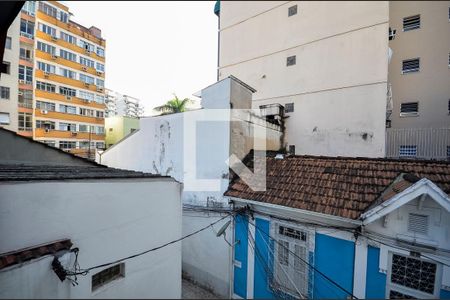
[[86, 271], [314, 268]]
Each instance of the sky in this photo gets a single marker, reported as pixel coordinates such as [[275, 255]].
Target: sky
[[154, 49]]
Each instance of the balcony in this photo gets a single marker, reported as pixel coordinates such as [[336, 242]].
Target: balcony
[[64, 134]]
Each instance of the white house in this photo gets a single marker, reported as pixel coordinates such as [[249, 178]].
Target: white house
[[101, 215], [334, 227]]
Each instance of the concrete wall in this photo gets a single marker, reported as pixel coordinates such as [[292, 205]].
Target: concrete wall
[[339, 83], [431, 43], [11, 80], [107, 220], [17, 149], [117, 127]]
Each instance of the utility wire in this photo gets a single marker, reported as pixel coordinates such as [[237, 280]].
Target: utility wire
[[314, 268], [86, 271]]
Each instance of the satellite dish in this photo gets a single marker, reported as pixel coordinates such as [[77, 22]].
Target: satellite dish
[[223, 228]]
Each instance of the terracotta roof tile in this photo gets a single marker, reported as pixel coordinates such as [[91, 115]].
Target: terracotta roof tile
[[339, 186]]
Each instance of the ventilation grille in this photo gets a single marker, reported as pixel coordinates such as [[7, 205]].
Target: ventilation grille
[[418, 223], [411, 23], [411, 65]]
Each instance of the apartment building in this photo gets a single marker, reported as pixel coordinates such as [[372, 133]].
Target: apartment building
[[60, 75], [8, 81], [326, 63], [419, 76], [118, 104]]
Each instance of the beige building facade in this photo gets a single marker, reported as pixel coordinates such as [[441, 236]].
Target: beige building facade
[[325, 62], [419, 76]]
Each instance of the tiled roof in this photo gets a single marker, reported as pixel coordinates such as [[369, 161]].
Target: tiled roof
[[22, 255], [21, 172], [338, 186]]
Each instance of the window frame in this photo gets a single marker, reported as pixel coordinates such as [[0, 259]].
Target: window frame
[[110, 280], [5, 90], [410, 71], [409, 113]]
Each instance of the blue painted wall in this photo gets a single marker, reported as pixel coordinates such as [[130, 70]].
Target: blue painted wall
[[263, 261], [375, 281], [335, 258], [240, 254], [445, 294]]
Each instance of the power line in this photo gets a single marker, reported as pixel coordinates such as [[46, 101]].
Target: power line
[[314, 268], [86, 271]]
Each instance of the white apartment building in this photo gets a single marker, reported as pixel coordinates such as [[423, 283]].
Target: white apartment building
[[118, 104]]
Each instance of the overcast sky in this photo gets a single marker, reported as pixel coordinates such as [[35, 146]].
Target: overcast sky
[[154, 49]]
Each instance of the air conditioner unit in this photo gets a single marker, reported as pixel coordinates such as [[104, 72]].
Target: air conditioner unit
[[84, 68], [86, 84], [54, 38], [86, 101], [68, 98], [21, 81], [20, 93], [99, 89], [47, 129], [88, 52], [46, 74], [54, 56], [44, 112], [74, 133], [99, 73]]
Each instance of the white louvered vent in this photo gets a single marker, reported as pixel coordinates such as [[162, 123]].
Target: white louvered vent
[[418, 223]]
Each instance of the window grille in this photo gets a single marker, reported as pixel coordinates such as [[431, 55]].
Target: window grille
[[411, 65], [108, 275], [411, 23], [408, 151]]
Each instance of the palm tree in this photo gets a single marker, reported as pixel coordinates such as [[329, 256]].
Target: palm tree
[[173, 106]]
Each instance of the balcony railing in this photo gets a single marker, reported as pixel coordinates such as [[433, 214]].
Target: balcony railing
[[430, 143], [27, 35], [26, 104], [21, 128]]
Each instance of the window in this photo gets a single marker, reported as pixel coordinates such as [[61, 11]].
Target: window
[[46, 48], [108, 275], [25, 98], [67, 73], [4, 118], [8, 67], [47, 29], [45, 124], [100, 145], [290, 249], [409, 109], [45, 105], [418, 224], [48, 10], [4, 93], [63, 17], [86, 112], [67, 109], [25, 123], [68, 38], [25, 54], [67, 145], [86, 46], [26, 28], [48, 143], [292, 10], [289, 107], [408, 151], [411, 277], [449, 59], [100, 82], [291, 60], [67, 91], [411, 23], [99, 130], [100, 99], [292, 149], [100, 67], [83, 128], [43, 86], [87, 79], [68, 55], [411, 65], [84, 144], [29, 8], [46, 67], [87, 62], [99, 114], [100, 52], [449, 106], [67, 127], [26, 74], [86, 95], [8, 43]]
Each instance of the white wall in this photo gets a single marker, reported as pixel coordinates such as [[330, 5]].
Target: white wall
[[106, 220]]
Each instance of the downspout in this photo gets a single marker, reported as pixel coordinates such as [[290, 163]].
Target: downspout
[[231, 268], [217, 12]]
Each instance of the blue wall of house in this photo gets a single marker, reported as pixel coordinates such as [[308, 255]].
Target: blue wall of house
[[445, 294], [263, 261], [240, 254], [335, 258], [375, 281]]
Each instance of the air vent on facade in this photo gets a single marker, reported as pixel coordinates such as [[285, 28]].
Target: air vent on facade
[[84, 68], [54, 56], [289, 107], [409, 109], [68, 98], [418, 223], [292, 10], [54, 38], [410, 23], [99, 73], [411, 65], [291, 60]]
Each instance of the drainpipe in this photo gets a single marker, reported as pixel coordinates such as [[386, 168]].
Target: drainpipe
[[231, 268]]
